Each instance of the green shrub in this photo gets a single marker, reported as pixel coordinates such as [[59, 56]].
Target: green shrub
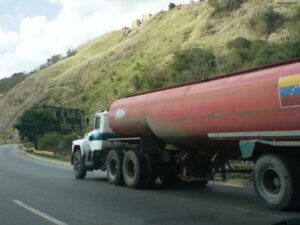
[[239, 42], [273, 53], [148, 76], [296, 25], [192, 64], [65, 144], [50, 142], [84, 98], [187, 65], [297, 13], [245, 54], [266, 22], [59, 144], [137, 82], [225, 5], [154, 78]]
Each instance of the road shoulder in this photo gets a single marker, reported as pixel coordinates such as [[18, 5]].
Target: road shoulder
[[45, 159]]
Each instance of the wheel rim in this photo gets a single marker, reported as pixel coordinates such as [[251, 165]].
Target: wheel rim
[[130, 169], [271, 182], [76, 164], [113, 167]]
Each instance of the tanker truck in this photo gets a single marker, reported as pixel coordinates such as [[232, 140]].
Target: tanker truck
[[191, 131]]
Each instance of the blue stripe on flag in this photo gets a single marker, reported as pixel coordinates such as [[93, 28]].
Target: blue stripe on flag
[[290, 91]]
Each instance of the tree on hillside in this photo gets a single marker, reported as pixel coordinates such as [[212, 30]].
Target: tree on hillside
[[33, 123], [52, 60], [171, 6], [19, 74], [71, 52]]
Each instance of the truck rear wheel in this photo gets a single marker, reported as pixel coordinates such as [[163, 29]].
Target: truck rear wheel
[[78, 166], [274, 182], [134, 169], [114, 167]]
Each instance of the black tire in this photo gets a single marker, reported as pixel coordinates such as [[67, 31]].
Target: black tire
[[114, 167], [78, 166], [295, 163], [134, 169], [274, 182], [202, 183], [152, 171]]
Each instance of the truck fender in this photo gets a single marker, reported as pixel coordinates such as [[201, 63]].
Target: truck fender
[[77, 148], [252, 149]]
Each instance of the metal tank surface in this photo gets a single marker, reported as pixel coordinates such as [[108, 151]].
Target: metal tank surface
[[264, 102]]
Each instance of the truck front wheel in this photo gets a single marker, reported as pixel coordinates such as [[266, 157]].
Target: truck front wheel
[[78, 166], [134, 169], [274, 182], [114, 167]]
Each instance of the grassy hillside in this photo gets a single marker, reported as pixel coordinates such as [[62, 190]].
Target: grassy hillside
[[131, 60]]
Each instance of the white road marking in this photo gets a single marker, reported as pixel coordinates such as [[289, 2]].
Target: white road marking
[[39, 213]]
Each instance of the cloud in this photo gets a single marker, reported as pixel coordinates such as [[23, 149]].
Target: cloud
[[8, 40], [38, 38]]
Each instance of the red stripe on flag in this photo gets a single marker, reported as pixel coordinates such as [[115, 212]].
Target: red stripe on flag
[[290, 101]]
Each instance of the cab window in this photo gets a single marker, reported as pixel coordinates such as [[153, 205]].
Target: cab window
[[97, 123]]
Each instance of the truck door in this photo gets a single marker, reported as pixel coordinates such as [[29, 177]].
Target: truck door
[[95, 135]]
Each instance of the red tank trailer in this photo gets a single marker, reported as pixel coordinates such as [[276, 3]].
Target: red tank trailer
[[253, 104], [251, 115]]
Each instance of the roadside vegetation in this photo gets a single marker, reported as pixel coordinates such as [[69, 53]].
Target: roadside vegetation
[[59, 144], [52, 145], [34, 123], [40, 130]]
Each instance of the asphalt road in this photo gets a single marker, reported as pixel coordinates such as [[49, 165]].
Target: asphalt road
[[37, 192]]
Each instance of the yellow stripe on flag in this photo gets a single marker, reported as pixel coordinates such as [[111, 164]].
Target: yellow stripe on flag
[[289, 81]]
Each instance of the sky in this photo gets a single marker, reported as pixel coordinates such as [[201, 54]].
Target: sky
[[31, 31]]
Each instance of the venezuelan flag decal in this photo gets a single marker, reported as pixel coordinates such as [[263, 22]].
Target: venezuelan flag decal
[[289, 90]]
